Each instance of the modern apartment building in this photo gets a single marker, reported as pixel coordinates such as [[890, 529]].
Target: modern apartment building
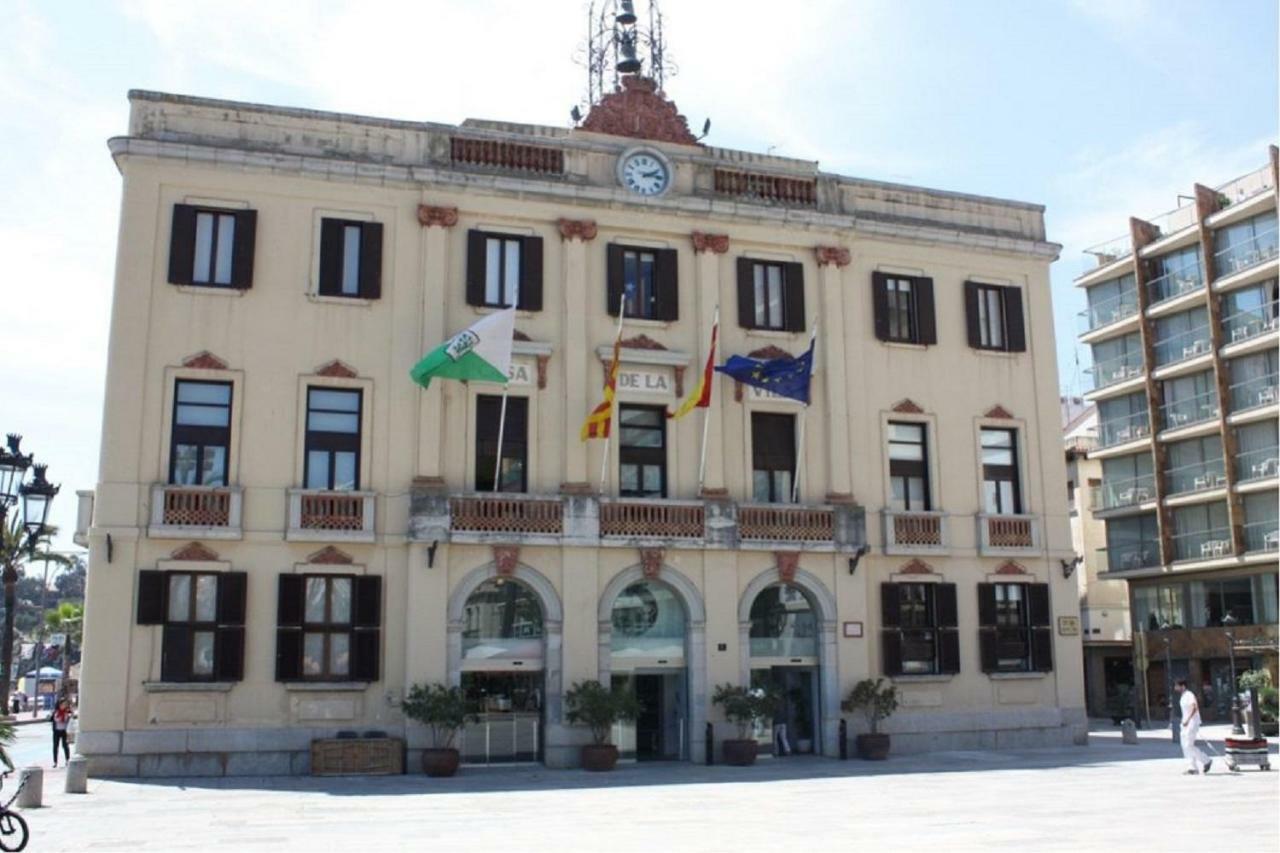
[[1182, 324], [287, 532]]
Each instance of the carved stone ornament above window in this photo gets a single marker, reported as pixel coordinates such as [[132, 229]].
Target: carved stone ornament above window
[[337, 370], [330, 556], [717, 244], [204, 360], [907, 407], [1010, 568], [444, 217], [651, 562], [916, 567], [577, 229], [769, 352], [642, 341], [194, 551], [788, 562], [505, 559], [998, 412], [837, 255], [639, 111]]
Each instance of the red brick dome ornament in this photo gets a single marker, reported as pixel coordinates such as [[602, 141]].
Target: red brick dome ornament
[[640, 111]]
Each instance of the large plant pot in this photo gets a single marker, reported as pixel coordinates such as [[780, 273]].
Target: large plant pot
[[599, 757], [873, 747], [1269, 729], [440, 762], [740, 753]]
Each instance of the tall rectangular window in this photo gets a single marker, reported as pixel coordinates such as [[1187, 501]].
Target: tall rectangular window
[[215, 237], [767, 285], [333, 439], [202, 614], [771, 295], [1015, 627], [1001, 491], [908, 467], [201, 433], [993, 314], [917, 621], [642, 451], [639, 292], [502, 271], [643, 281], [193, 600], [209, 247], [918, 632], [350, 258], [773, 457], [1013, 641], [991, 317], [512, 474], [326, 627]]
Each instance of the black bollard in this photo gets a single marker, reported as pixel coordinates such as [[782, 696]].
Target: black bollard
[[844, 740], [711, 744]]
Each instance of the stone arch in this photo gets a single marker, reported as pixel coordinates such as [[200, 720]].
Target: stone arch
[[695, 652], [824, 604]]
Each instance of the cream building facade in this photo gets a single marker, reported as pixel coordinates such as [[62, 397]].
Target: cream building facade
[[287, 532]]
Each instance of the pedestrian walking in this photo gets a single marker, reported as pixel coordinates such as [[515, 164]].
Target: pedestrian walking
[[61, 720], [1200, 763]]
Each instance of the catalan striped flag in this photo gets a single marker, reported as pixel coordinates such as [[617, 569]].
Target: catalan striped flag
[[700, 396], [599, 422]]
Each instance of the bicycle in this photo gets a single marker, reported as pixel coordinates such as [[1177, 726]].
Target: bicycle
[[13, 829]]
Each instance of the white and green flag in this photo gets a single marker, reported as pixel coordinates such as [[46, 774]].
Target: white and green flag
[[481, 353]]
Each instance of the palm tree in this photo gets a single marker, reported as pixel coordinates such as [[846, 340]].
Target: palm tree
[[16, 548], [67, 619]]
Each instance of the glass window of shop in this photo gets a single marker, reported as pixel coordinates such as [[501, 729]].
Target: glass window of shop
[[648, 622], [502, 620], [783, 624]]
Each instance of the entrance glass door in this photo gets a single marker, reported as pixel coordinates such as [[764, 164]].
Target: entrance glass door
[[793, 729], [658, 734], [507, 722]]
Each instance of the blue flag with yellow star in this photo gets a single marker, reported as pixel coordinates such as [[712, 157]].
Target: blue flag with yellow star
[[786, 377]]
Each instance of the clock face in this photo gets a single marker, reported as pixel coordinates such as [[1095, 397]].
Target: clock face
[[644, 174]]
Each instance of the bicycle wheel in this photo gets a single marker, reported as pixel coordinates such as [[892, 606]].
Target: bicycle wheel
[[13, 832]]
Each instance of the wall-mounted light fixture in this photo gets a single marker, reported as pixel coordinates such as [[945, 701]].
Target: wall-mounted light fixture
[[858, 555], [1069, 566], [431, 554]]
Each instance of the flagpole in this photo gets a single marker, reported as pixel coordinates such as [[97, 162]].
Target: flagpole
[[502, 426], [706, 416], [795, 481], [604, 463]]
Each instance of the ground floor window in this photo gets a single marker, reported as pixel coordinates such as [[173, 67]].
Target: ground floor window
[[506, 721]]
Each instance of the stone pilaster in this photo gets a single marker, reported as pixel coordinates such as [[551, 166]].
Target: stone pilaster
[[708, 248], [831, 260], [436, 222], [575, 234]]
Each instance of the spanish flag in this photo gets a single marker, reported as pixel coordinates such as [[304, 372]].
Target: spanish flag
[[600, 420], [700, 396]]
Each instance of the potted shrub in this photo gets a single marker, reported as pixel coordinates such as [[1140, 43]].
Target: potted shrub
[[876, 701], [744, 708], [1267, 699], [443, 710], [597, 707]]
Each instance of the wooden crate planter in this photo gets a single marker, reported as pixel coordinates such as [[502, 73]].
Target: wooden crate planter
[[382, 756]]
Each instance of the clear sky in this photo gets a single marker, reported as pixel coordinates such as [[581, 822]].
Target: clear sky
[[1098, 109]]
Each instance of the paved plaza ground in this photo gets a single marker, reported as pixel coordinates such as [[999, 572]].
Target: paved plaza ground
[[1106, 796]]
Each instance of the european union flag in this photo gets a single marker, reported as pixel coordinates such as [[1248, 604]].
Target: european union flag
[[786, 377]]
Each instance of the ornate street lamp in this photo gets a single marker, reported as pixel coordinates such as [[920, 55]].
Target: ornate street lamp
[[37, 497], [13, 467], [1237, 724]]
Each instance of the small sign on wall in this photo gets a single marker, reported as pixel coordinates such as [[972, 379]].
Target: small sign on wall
[[645, 382], [1069, 626], [853, 629], [521, 374]]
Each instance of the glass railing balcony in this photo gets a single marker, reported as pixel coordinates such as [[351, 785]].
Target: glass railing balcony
[[1121, 430], [1184, 279], [1193, 410], [1245, 187], [1113, 494], [1196, 477], [1262, 536], [1183, 345], [1127, 558], [1256, 392], [1203, 544], [1261, 463], [1108, 311], [1256, 250], [1246, 325], [1110, 251], [1118, 369]]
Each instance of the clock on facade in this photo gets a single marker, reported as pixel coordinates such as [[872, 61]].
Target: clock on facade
[[644, 172]]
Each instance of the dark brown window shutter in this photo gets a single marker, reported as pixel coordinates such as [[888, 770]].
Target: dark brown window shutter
[[330, 257], [289, 602], [366, 639], [880, 304], [926, 322], [531, 274], [288, 654], [891, 647], [987, 649], [175, 653], [289, 628], [890, 609], [986, 605], [242, 248], [368, 602], [229, 654], [152, 587], [365, 653], [793, 314], [475, 267], [971, 314], [746, 294], [371, 260], [666, 285], [232, 590], [1038, 605], [1042, 649], [948, 652], [1015, 327], [945, 604], [614, 284], [182, 244]]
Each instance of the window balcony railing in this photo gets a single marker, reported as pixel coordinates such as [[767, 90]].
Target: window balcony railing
[[1193, 410], [783, 523], [1256, 392], [507, 513], [635, 518], [1261, 463], [1174, 283], [1131, 491], [1262, 536], [1203, 544], [1122, 430], [1111, 251], [1258, 249], [914, 532], [1245, 187], [205, 512], [1114, 370], [1247, 325], [1008, 534], [1197, 477], [1128, 558], [1108, 311], [1184, 345], [317, 515]]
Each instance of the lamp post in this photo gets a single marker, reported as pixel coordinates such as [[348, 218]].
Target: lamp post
[[1237, 726], [1174, 720]]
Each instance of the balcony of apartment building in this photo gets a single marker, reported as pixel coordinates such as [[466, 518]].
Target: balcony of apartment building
[[1254, 397], [1129, 557], [1113, 496], [1180, 276], [1250, 329], [915, 532], [1183, 347], [1008, 535], [1197, 480], [1257, 457], [1117, 374], [1191, 411], [323, 515], [1261, 523], [1244, 250], [179, 511], [1211, 544], [1112, 313]]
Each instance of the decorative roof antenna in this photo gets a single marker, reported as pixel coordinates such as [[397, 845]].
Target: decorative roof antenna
[[614, 46]]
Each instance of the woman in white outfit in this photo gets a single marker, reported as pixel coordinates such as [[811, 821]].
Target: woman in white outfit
[[1191, 729]]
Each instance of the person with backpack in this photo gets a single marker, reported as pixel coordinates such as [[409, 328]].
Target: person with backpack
[[61, 720]]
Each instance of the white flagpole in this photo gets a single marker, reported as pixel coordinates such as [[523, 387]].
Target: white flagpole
[[604, 463], [706, 415], [795, 481], [502, 426]]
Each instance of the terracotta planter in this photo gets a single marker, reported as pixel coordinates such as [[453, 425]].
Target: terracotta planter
[[873, 747], [740, 753], [440, 762], [599, 757]]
